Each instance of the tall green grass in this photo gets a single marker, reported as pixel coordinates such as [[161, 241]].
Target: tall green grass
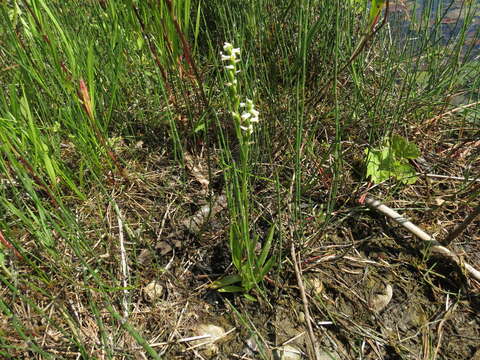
[[78, 76]]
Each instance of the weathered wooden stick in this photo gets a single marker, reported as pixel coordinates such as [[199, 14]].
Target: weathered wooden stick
[[415, 230]]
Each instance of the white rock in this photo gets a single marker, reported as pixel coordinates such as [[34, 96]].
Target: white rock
[[317, 286], [288, 352], [214, 333], [251, 348], [153, 291]]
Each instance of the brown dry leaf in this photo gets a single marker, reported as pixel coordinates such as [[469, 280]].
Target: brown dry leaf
[[197, 171], [163, 247], [469, 146], [145, 257], [85, 97], [196, 222]]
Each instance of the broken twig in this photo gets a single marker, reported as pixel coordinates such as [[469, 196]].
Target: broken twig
[[459, 229]]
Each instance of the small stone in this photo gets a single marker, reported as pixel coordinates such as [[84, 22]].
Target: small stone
[[316, 286], [153, 291], [163, 247], [214, 333], [251, 347], [380, 300], [288, 352], [301, 317]]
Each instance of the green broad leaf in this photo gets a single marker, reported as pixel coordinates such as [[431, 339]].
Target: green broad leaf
[[226, 281], [235, 247], [387, 159], [140, 42], [252, 246], [49, 165], [402, 148], [199, 127], [248, 285], [374, 162], [405, 173], [391, 160], [264, 271]]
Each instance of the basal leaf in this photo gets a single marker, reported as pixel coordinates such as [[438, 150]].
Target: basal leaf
[[405, 173], [375, 162], [402, 148], [264, 271], [266, 248], [231, 289], [226, 281]]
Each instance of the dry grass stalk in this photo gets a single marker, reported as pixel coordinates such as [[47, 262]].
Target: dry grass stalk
[[459, 229], [453, 111], [313, 342], [123, 264]]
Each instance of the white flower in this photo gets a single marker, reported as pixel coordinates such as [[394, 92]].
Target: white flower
[[230, 67], [246, 115], [230, 53], [254, 112], [248, 129]]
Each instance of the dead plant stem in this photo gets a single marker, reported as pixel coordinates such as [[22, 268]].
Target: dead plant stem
[[123, 264], [311, 335], [460, 228]]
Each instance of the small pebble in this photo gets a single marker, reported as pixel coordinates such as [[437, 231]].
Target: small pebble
[[288, 352], [301, 317], [214, 332], [153, 291]]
